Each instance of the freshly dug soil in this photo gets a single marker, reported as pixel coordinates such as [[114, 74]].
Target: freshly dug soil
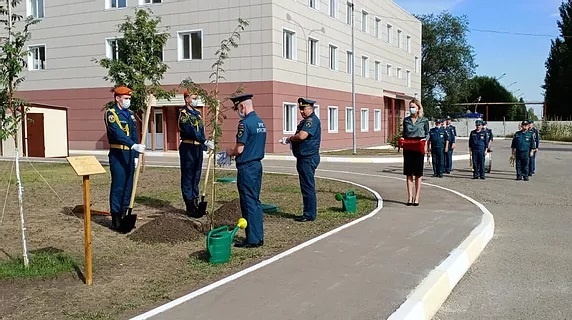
[[227, 214], [166, 229]]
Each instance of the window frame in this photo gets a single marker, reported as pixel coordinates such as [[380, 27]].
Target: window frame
[[337, 119], [29, 9], [180, 49], [293, 106], [377, 118], [349, 123], [337, 59], [362, 122], [31, 57], [294, 49]]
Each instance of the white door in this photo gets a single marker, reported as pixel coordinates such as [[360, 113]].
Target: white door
[[158, 123]]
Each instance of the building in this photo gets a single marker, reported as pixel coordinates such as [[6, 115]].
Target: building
[[291, 48]]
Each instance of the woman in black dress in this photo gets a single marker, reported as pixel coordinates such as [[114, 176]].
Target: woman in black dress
[[416, 128]]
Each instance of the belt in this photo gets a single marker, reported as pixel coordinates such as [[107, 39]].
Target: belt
[[191, 141], [119, 146]]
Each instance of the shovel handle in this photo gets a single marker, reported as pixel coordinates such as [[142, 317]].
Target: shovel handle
[[143, 138]]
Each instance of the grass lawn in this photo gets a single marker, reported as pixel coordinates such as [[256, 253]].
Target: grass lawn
[[362, 152], [138, 271]]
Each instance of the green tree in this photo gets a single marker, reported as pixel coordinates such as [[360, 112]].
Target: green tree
[[215, 106], [447, 61], [490, 89], [557, 86], [13, 62], [138, 62]]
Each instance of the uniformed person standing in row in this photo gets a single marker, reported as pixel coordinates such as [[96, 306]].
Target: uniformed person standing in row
[[523, 147], [478, 146], [124, 150], [489, 132], [536, 136], [306, 148], [451, 137], [193, 143], [248, 152], [438, 145]]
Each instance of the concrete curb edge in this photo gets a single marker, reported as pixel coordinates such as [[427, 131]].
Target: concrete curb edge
[[428, 297]]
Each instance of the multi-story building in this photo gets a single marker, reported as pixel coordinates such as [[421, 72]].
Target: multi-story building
[[291, 49]]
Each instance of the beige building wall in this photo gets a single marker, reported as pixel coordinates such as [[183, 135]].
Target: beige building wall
[[75, 32]]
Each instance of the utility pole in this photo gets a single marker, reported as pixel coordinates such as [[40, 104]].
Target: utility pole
[[351, 4]]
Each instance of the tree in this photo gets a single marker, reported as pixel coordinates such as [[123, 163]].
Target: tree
[[215, 107], [447, 61], [137, 62], [557, 86], [13, 61], [489, 89]]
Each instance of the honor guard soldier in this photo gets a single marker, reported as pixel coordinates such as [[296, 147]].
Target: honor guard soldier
[[306, 148], [536, 136], [489, 134], [193, 143], [248, 152], [523, 147], [451, 137], [124, 150], [478, 146], [438, 145]]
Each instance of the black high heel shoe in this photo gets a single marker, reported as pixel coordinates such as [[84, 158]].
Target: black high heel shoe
[[416, 204], [409, 203]]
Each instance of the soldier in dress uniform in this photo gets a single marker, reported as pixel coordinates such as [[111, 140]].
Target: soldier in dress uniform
[[193, 143], [438, 145], [124, 150], [523, 147], [478, 147], [249, 152], [451, 137]]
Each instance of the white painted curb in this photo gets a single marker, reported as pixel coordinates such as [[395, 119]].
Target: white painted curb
[[264, 263], [425, 300]]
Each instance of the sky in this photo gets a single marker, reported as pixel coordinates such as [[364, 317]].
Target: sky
[[521, 57]]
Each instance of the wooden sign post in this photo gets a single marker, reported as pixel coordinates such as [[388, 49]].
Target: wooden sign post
[[85, 166]]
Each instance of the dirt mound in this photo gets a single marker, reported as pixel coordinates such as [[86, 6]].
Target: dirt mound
[[227, 214], [166, 229]]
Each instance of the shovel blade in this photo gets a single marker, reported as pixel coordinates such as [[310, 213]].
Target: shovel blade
[[201, 209], [128, 223]]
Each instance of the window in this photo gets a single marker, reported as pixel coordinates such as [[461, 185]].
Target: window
[[313, 4], [317, 110], [377, 120], [349, 64], [416, 64], [408, 78], [332, 119], [349, 12], [37, 57], [35, 8], [377, 27], [112, 49], [364, 119], [190, 45], [388, 70], [313, 52], [150, 1], [333, 57], [116, 4], [288, 44], [399, 38], [334, 8], [389, 33], [399, 75], [408, 44], [377, 71], [364, 15], [349, 119], [364, 66], [289, 124]]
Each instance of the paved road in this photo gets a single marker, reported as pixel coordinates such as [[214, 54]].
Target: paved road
[[526, 270]]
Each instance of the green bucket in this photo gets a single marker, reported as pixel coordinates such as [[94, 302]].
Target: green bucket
[[219, 243], [226, 180], [269, 208], [349, 201]]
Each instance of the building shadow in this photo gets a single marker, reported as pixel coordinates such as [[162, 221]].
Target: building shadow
[[102, 220]]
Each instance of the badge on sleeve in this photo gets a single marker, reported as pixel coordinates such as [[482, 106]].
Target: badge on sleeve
[[240, 130], [110, 118], [308, 124]]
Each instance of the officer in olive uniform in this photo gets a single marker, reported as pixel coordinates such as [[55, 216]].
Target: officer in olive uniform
[[306, 148], [523, 147], [478, 146], [438, 144], [124, 150], [451, 137], [193, 143], [489, 132], [248, 152], [536, 136]]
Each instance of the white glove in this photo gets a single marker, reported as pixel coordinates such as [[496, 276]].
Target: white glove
[[139, 148], [136, 161], [223, 159], [284, 140], [209, 144]]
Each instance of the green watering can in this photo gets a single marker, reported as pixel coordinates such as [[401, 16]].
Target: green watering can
[[348, 200], [219, 242]]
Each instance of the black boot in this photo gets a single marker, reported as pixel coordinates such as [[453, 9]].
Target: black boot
[[191, 208], [115, 221]]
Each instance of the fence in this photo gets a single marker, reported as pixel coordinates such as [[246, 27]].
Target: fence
[[499, 128]]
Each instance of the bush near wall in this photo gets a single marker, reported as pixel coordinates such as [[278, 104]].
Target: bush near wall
[[556, 131]]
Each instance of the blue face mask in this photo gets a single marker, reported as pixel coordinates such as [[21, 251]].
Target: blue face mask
[[413, 110], [126, 104]]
